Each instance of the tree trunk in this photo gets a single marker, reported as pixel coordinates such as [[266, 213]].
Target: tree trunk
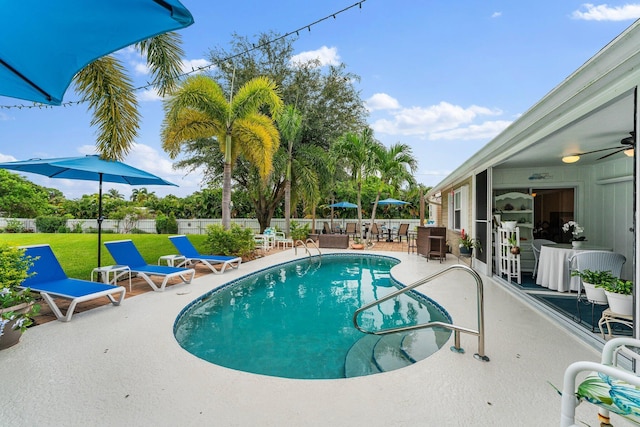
[[226, 196], [373, 216]]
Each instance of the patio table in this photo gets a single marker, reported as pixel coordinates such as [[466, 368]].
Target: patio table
[[553, 266]]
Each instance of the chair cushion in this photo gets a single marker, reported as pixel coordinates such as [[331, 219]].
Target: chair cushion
[[610, 393]]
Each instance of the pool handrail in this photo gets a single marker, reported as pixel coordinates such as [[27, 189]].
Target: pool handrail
[[306, 248], [457, 329]]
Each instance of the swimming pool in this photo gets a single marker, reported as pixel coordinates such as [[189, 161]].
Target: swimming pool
[[293, 320]]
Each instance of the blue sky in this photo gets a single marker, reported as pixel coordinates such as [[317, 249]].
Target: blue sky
[[443, 77]]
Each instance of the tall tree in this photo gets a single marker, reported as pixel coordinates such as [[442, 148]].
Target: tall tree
[[354, 152], [200, 109], [290, 125], [395, 166], [111, 96]]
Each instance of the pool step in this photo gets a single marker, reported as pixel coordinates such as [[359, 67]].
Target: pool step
[[373, 354]]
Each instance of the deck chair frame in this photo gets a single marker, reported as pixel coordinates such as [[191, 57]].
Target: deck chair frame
[[53, 283], [192, 256], [124, 252]]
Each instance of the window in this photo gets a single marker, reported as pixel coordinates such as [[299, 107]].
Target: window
[[458, 208]]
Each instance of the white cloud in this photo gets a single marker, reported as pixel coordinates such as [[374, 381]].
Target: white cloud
[[7, 158], [433, 122], [485, 131], [325, 55], [193, 65], [150, 94], [382, 101], [496, 14], [604, 12]]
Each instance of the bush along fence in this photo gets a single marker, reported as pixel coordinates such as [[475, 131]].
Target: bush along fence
[[164, 225]]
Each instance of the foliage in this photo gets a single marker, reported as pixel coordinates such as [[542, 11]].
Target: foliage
[[77, 227], [166, 224], [50, 224], [20, 198], [14, 226], [513, 242], [111, 96], [597, 278], [299, 232], [619, 286], [14, 269], [236, 241], [466, 241]]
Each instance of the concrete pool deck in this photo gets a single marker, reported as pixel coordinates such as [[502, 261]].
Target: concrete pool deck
[[121, 366]]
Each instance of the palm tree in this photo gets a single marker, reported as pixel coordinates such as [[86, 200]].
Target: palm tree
[[111, 96], [354, 152], [290, 125], [200, 109], [395, 166], [114, 193]]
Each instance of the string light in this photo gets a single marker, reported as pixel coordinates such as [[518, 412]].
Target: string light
[[204, 67]]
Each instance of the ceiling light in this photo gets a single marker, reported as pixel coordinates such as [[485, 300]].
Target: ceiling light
[[571, 159], [629, 152]]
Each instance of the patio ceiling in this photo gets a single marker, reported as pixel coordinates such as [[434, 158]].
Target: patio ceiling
[[600, 129]]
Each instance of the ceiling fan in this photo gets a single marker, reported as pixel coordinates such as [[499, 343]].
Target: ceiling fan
[[627, 146]]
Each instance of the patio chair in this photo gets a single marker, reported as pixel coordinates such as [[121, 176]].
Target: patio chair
[[375, 231], [192, 256], [403, 231], [124, 252], [595, 261], [535, 246], [51, 282], [350, 229], [608, 385], [326, 229], [281, 239]]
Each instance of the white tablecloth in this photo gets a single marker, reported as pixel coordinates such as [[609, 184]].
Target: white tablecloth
[[553, 267]]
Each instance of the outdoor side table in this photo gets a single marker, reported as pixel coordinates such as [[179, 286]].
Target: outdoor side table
[[172, 260], [105, 271], [609, 317]]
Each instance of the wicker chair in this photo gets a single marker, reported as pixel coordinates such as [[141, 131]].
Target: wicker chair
[[535, 246], [351, 229], [595, 261], [403, 231]]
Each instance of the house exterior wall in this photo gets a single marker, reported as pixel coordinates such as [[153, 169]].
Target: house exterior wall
[[453, 236]]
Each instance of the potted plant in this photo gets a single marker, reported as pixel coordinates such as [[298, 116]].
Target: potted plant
[[620, 296], [357, 243], [467, 244], [17, 305], [594, 283], [513, 242], [575, 229]]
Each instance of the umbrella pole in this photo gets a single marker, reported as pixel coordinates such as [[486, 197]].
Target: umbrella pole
[[99, 219]]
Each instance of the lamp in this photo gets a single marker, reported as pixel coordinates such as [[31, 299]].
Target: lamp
[[571, 159]]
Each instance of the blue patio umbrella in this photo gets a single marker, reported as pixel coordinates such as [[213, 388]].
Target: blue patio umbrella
[[392, 202], [343, 205], [88, 168], [43, 44]]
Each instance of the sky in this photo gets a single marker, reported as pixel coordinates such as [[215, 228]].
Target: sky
[[443, 77]]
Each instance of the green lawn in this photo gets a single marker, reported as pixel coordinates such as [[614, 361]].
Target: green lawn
[[78, 253]]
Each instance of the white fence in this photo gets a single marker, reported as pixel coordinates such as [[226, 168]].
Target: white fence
[[198, 226]]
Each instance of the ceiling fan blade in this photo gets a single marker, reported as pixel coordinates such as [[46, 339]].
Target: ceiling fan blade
[[611, 154]]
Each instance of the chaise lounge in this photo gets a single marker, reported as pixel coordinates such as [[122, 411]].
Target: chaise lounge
[[51, 282], [124, 252], [186, 249]]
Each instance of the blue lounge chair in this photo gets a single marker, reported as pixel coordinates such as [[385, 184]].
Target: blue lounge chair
[[124, 252], [52, 282], [186, 248]]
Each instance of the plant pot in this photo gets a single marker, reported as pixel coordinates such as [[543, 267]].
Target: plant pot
[[10, 336], [358, 246], [515, 250], [595, 295], [576, 244], [464, 251], [621, 304]]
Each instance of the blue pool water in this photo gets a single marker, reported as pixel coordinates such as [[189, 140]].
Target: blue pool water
[[294, 320]]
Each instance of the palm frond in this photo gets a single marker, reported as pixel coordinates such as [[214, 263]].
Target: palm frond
[[164, 59]]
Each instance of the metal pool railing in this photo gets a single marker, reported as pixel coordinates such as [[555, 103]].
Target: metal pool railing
[[457, 329]]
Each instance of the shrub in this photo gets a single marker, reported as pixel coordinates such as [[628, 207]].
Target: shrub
[[50, 224], [236, 241], [77, 227], [299, 232], [14, 267], [136, 230], [14, 226], [63, 229], [166, 224]]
